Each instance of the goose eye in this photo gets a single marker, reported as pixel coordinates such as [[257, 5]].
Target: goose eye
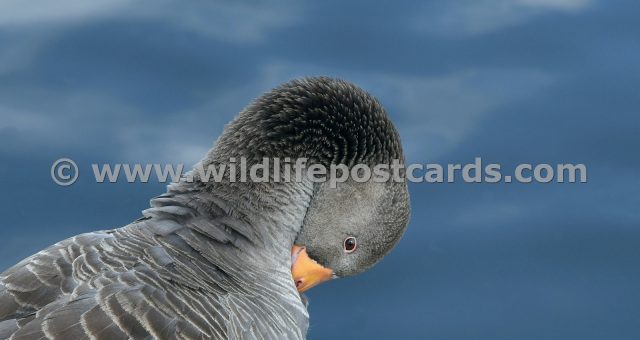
[[350, 244]]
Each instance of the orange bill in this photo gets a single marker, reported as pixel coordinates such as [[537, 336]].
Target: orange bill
[[306, 272]]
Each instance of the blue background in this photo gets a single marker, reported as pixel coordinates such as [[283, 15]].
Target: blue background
[[520, 81]]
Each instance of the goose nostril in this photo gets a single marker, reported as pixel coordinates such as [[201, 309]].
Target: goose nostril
[[298, 283]]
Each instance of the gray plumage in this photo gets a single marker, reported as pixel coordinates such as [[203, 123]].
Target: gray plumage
[[212, 260]]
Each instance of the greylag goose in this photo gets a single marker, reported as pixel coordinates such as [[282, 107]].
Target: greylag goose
[[227, 259]]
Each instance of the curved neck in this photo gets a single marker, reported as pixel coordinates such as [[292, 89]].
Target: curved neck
[[323, 120], [260, 220]]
